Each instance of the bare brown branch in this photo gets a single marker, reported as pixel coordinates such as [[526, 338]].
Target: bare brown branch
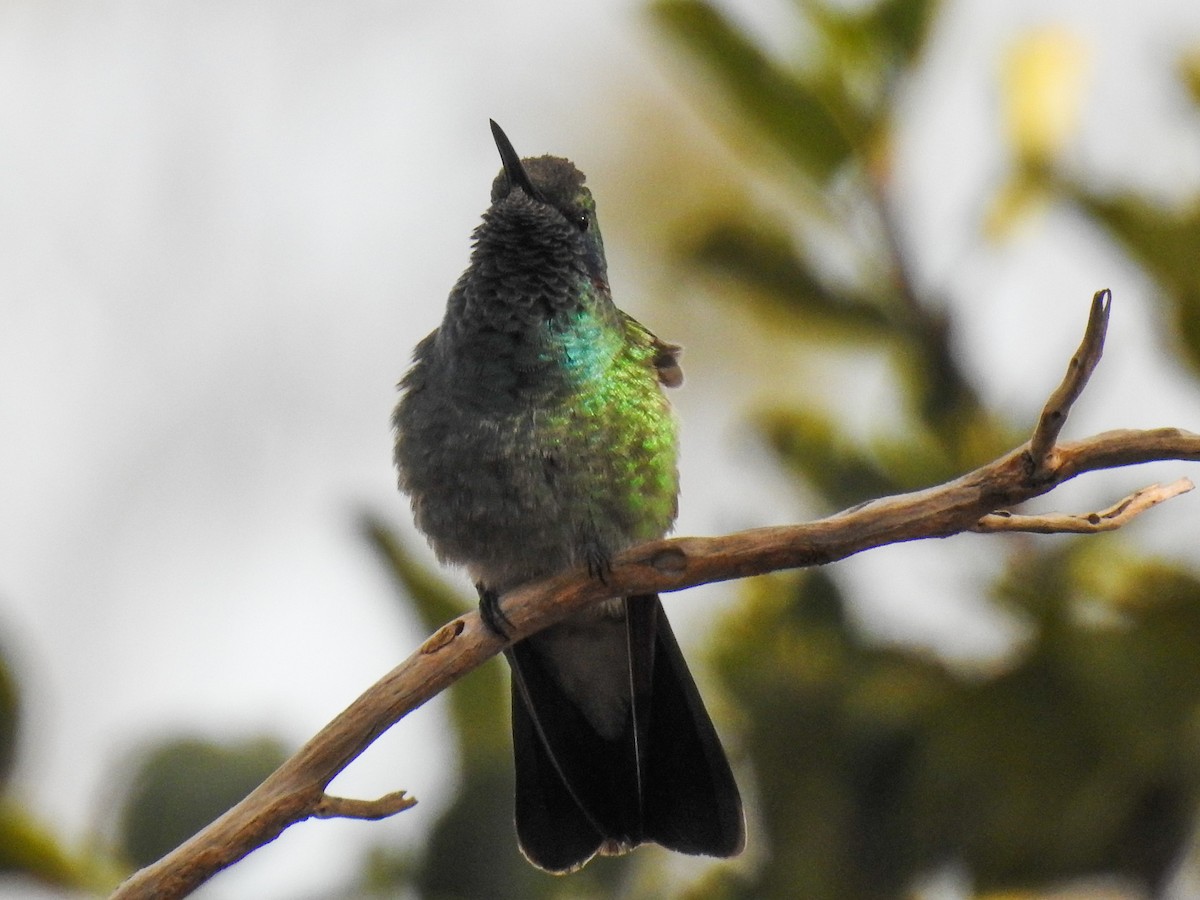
[[331, 807], [296, 790], [1079, 370], [1110, 519]]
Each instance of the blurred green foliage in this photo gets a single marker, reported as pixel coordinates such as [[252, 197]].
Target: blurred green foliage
[[9, 720], [1164, 241], [851, 73], [182, 784], [172, 790], [875, 764], [29, 849]]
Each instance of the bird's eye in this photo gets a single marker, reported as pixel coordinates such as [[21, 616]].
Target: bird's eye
[[583, 221]]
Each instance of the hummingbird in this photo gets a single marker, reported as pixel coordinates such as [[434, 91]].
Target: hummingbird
[[533, 435]]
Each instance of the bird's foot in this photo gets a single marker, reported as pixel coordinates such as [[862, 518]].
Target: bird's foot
[[491, 613], [599, 564]]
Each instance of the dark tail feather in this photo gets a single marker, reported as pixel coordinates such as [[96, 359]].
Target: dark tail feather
[[691, 801], [553, 830], [665, 779]]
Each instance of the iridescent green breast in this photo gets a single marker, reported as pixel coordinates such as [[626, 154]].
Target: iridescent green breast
[[617, 423]]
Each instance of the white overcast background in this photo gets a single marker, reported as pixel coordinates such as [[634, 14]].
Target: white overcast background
[[224, 225]]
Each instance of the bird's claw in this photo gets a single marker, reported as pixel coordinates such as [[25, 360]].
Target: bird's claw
[[599, 565], [491, 613]]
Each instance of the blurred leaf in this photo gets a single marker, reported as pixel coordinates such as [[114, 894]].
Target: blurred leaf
[[845, 472], [471, 851], [478, 703], [787, 110], [1082, 759], [719, 883], [10, 710], [811, 445], [904, 24], [1165, 242], [956, 432], [830, 725], [1029, 785], [27, 848], [430, 597], [1189, 73], [764, 259], [869, 48], [873, 764], [1042, 92], [1025, 193], [182, 785]]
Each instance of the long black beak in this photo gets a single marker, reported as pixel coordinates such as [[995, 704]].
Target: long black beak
[[513, 170]]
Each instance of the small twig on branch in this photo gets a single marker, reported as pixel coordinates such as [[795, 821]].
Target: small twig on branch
[[331, 807], [1085, 523], [296, 790], [1079, 370]]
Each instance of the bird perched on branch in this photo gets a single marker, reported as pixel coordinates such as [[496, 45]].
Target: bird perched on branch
[[534, 435]]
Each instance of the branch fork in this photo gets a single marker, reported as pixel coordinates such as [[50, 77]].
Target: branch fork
[[1079, 371]]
